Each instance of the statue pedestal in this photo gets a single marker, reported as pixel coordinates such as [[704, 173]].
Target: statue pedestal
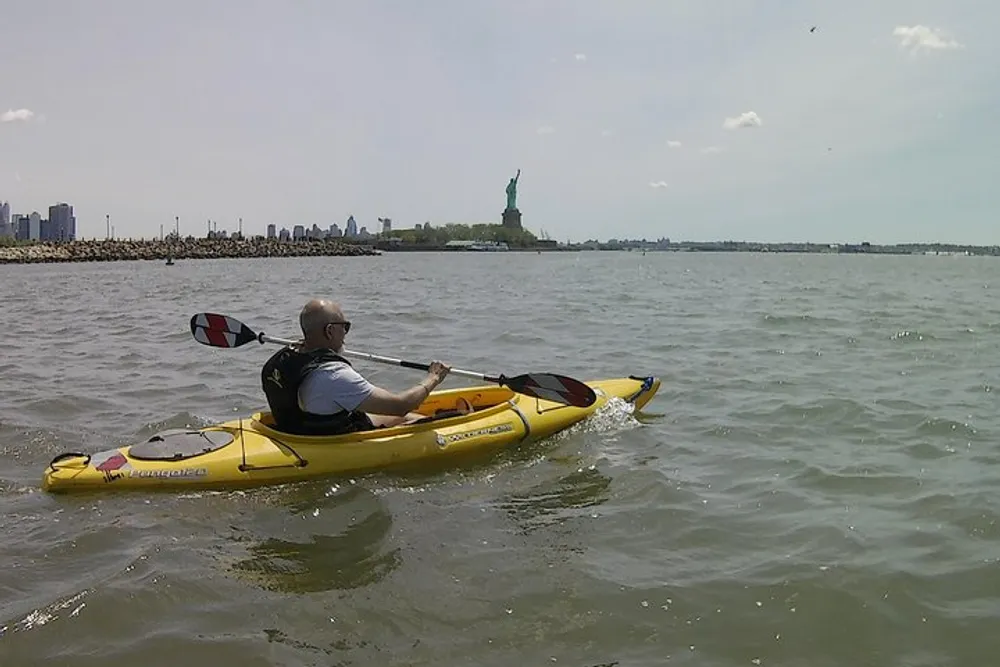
[[512, 218]]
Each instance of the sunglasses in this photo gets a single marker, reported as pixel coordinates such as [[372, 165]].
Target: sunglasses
[[345, 324]]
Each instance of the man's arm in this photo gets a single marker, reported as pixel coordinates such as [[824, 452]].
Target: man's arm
[[384, 402]]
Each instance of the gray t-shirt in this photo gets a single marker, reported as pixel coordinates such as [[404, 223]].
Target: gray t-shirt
[[332, 388]]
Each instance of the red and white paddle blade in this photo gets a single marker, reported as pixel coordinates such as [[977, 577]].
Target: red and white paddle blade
[[220, 330], [555, 388]]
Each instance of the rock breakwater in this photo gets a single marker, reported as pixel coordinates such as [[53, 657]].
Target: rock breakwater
[[115, 250]]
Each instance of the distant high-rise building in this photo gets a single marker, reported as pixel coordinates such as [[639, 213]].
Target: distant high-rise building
[[351, 227], [19, 223], [335, 231], [62, 223], [298, 232], [35, 226], [386, 225], [272, 231], [6, 229], [283, 235]]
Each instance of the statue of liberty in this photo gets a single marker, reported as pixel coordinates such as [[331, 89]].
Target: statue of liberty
[[512, 192]]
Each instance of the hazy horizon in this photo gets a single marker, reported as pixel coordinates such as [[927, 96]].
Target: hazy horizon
[[628, 120]]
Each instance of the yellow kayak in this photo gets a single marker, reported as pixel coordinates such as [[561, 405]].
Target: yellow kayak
[[249, 452]]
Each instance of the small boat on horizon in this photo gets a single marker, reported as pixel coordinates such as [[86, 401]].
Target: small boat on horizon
[[488, 246]]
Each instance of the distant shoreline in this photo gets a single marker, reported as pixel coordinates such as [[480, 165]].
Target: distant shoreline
[[863, 248], [732, 247], [113, 250]]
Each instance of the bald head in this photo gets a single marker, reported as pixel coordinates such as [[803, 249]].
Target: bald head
[[316, 314]]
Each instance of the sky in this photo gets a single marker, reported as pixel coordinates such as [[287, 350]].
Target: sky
[[686, 119]]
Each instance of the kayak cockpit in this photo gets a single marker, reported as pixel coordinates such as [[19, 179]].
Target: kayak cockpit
[[466, 403], [448, 401]]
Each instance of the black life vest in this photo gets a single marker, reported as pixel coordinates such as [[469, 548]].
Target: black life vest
[[281, 377]]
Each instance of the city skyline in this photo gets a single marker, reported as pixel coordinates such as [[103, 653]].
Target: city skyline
[[66, 230], [755, 121], [60, 225], [65, 227]]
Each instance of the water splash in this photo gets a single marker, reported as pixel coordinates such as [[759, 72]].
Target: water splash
[[614, 416]]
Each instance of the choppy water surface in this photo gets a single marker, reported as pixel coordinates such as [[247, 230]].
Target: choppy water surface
[[816, 483]]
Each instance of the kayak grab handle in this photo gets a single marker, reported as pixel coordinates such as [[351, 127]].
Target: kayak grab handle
[[69, 455]]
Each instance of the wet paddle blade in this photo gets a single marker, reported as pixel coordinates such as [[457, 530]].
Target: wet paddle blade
[[220, 330], [550, 387]]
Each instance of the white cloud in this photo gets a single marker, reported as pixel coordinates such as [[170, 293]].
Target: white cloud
[[673, 143], [921, 37], [12, 115], [582, 57], [745, 119], [545, 129], [711, 150], [657, 184], [607, 133]]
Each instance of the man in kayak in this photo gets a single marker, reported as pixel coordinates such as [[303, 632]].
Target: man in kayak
[[313, 390]]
